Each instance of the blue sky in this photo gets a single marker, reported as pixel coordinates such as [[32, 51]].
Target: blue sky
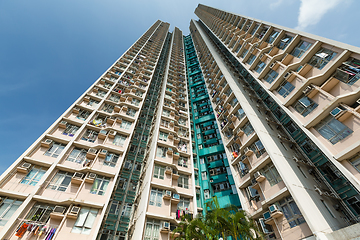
[[52, 51]]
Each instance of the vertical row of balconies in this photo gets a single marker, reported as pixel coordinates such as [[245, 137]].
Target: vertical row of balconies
[[171, 178]]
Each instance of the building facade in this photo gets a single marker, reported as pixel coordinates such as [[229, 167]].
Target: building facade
[[261, 116], [289, 104]]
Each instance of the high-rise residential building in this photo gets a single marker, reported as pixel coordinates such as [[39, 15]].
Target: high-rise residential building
[[261, 116]]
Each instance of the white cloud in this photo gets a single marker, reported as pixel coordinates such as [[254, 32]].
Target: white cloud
[[311, 11]]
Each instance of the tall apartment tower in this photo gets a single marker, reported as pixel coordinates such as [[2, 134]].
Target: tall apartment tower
[[117, 164], [261, 116], [287, 104]]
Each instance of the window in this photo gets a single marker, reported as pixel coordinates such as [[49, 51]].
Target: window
[[321, 58], [271, 76], [204, 175], [61, 181], [126, 211], [135, 101], [304, 105], [206, 194], [233, 101], [222, 186], [70, 130], [291, 211], [83, 115], [333, 130], [244, 52], [271, 174], [159, 171], [355, 162], [354, 203], [164, 123], [258, 148], [163, 136], [183, 181], [55, 150], [260, 66], [152, 229], [284, 42], [184, 204], [115, 207], [247, 129], [182, 121], [111, 159], [40, 213], [156, 197], [34, 176], [7, 209], [90, 135], [240, 113], [114, 98], [119, 140], [300, 49], [285, 89], [85, 220], [101, 93], [161, 152], [108, 108], [77, 155], [131, 112], [166, 113], [125, 124], [92, 102], [183, 161], [100, 184], [251, 59], [272, 37]]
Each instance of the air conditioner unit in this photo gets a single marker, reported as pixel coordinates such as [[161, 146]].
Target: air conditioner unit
[[337, 112], [91, 153], [272, 65], [92, 175], [24, 168], [26, 165], [59, 209], [76, 110], [307, 90], [103, 153], [358, 101], [166, 225], [168, 193], [273, 208], [87, 99], [287, 75], [267, 215], [78, 175], [261, 56], [112, 133], [47, 143], [257, 174], [102, 134], [96, 89], [92, 150], [63, 124], [75, 210], [176, 196], [90, 178]]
